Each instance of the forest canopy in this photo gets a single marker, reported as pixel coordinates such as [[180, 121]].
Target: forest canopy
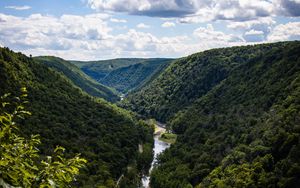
[[236, 113], [21, 163], [64, 115]]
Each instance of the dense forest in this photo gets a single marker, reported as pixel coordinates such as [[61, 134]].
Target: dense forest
[[149, 94], [124, 74], [64, 115], [79, 78], [236, 112], [20, 162], [189, 78]]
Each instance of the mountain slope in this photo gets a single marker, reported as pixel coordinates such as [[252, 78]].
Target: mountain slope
[[99, 69], [62, 114], [79, 78], [123, 74], [187, 79], [245, 131], [134, 76]]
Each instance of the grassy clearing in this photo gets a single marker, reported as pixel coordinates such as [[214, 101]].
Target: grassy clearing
[[168, 137]]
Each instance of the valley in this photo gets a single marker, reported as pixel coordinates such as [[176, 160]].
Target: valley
[[149, 94], [125, 74], [229, 116], [64, 114]]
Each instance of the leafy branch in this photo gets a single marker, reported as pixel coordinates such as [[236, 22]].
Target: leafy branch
[[20, 163]]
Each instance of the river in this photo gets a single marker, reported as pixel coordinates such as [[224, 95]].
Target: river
[[159, 146]]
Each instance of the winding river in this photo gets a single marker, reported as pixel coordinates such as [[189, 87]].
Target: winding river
[[159, 146]]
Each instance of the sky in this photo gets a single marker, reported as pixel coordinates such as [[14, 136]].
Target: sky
[[106, 29]]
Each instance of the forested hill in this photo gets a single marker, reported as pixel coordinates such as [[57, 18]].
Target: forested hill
[[124, 74], [189, 78], [245, 130], [62, 114], [79, 78]]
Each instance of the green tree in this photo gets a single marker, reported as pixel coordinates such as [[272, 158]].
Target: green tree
[[21, 164]]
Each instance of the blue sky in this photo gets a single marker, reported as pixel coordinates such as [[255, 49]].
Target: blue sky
[[104, 29]]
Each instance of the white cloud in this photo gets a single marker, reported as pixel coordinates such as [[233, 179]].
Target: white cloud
[[191, 11], [50, 32], [162, 8], [209, 34], [25, 7], [135, 43], [118, 20], [252, 24], [168, 24], [204, 14], [288, 31], [83, 37], [233, 10], [254, 32], [142, 26], [90, 37], [207, 38]]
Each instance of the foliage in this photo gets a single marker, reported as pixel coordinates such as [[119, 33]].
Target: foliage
[[145, 158], [189, 78], [236, 112], [79, 78], [20, 163], [124, 74], [168, 137], [105, 135], [135, 76]]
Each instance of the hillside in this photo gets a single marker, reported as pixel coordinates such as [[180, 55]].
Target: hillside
[[134, 76], [79, 78], [187, 79], [101, 68], [244, 131], [62, 114], [123, 74]]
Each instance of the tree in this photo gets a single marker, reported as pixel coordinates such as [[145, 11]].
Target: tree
[[20, 162]]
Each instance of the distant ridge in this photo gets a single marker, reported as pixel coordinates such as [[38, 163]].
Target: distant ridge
[[123, 74], [79, 78]]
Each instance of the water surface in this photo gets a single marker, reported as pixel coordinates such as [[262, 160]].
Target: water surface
[[159, 146]]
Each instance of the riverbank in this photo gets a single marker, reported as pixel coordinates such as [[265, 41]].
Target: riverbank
[[158, 130], [159, 147], [168, 137], [163, 135]]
